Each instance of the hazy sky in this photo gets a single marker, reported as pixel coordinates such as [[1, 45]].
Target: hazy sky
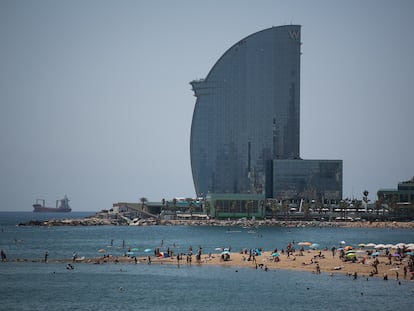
[[95, 100]]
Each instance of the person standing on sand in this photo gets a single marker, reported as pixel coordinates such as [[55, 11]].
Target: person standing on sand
[[375, 265], [46, 255]]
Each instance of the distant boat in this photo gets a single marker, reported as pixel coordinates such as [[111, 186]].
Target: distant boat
[[62, 206]]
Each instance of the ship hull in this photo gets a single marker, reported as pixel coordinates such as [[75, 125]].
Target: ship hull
[[43, 209]]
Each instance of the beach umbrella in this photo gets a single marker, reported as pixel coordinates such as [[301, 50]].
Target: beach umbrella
[[350, 252], [147, 250], [400, 245], [101, 250], [218, 249], [396, 255], [370, 245], [342, 242], [361, 245], [379, 246], [314, 245], [304, 243], [390, 246], [410, 253], [225, 252], [375, 254], [135, 249], [130, 253], [410, 247], [347, 248], [350, 255], [275, 255]]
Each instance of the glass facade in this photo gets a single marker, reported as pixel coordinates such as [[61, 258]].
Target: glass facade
[[404, 193], [307, 179], [247, 114]]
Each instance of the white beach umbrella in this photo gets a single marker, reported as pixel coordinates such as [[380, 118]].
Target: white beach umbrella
[[370, 245], [410, 246], [389, 246], [314, 246], [379, 246], [400, 245]]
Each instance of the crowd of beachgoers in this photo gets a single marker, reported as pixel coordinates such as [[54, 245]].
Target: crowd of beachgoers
[[389, 261], [365, 260]]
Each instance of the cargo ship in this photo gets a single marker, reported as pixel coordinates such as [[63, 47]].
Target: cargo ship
[[62, 206]]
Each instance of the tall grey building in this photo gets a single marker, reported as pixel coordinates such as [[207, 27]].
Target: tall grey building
[[247, 114]]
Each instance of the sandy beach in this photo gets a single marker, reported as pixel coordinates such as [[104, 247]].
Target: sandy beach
[[312, 261]]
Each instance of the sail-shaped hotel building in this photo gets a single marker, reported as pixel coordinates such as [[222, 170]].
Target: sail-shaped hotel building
[[245, 132]]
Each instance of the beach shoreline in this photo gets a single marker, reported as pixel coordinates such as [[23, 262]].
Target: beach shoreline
[[312, 261]]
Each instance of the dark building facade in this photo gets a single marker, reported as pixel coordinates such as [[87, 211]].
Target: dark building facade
[[403, 194], [317, 180], [247, 113]]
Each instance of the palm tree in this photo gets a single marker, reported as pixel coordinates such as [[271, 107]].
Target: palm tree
[[393, 206], [191, 208], [143, 200]]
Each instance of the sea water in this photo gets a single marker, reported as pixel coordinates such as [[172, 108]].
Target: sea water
[[27, 283]]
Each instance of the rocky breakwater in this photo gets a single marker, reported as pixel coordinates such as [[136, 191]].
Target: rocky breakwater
[[102, 218], [106, 218], [248, 223]]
